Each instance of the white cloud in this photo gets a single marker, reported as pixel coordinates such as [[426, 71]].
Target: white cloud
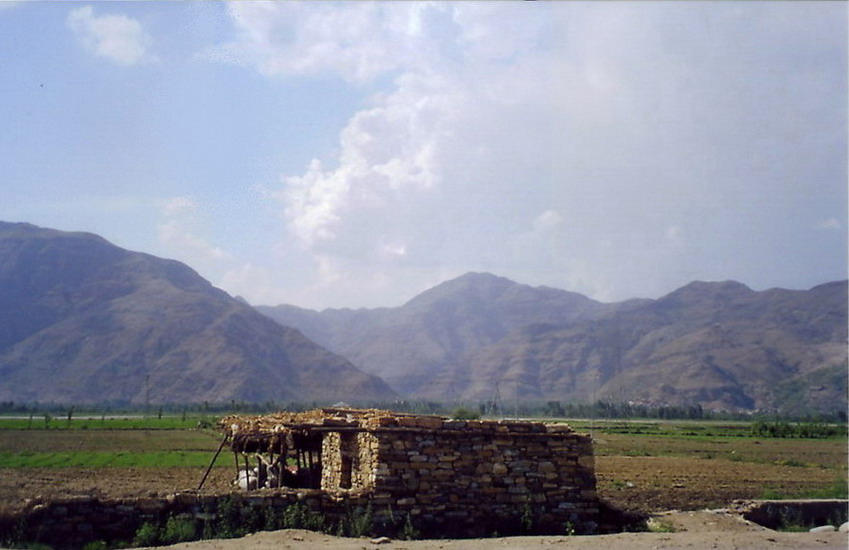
[[395, 250], [176, 235], [553, 143], [178, 232], [178, 205], [547, 220], [119, 38], [357, 41], [253, 283], [830, 223]]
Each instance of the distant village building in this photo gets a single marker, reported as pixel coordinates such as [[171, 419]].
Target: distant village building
[[449, 476]]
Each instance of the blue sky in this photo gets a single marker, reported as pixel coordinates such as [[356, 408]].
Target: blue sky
[[355, 154]]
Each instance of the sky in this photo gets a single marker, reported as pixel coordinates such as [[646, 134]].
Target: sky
[[355, 154]]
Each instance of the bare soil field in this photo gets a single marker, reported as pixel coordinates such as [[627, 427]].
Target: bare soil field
[[647, 484], [640, 473]]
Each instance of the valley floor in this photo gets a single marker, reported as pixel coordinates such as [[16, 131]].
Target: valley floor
[[647, 484]]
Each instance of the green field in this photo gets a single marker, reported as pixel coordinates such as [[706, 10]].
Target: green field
[[116, 443], [48, 422], [178, 442]]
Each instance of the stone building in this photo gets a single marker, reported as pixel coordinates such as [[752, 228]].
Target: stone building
[[460, 477]]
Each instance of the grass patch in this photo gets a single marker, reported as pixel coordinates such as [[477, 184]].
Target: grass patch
[[16, 441], [809, 453], [839, 489], [658, 526], [120, 459], [50, 423]]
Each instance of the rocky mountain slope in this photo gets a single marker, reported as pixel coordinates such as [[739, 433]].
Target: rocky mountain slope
[[721, 345], [82, 320], [438, 329]]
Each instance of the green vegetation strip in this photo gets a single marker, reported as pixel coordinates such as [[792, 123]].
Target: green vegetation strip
[[758, 429], [62, 423], [92, 459]]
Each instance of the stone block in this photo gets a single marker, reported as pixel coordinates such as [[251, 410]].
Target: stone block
[[429, 422], [586, 461], [454, 424]]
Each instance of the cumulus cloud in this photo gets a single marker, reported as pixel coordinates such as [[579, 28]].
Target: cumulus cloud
[[637, 125], [178, 205], [829, 223], [357, 41], [119, 38], [178, 232], [547, 220]]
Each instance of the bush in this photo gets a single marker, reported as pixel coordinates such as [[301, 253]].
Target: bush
[[360, 522], [409, 532], [178, 530], [299, 516], [147, 535], [462, 413], [229, 525]]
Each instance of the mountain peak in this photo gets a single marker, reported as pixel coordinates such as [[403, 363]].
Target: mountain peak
[[712, 288], [82, 320], [472, 282]]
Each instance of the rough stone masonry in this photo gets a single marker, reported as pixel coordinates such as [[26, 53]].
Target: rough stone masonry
[[441, 477], [463, 477]]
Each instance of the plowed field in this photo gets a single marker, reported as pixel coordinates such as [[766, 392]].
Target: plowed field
[[634, 472]]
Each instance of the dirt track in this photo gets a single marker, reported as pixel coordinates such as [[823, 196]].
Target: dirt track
[[694, 530]]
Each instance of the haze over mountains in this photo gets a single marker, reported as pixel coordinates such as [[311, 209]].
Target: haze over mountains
[[720, 345], [82, 320]]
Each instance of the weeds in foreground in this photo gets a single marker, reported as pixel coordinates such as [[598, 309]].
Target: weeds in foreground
[[527, 519], [657, 526], [408, 531], [839, 490]]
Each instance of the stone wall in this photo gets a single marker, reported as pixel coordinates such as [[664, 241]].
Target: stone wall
[[348, 460], [437, 477], [476, 477], [71, 523]]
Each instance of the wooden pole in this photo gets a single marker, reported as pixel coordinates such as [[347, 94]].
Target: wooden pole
[[247, 473], [214, 458], [283, 453]]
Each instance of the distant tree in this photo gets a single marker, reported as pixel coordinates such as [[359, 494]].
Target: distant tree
[[462, 413]]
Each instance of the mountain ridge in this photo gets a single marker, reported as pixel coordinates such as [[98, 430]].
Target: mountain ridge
[[82, 320], [720, 344]]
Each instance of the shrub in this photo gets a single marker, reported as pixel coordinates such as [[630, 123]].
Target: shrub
[[147, 535], [408, 531], [178, 530], [462, 413]]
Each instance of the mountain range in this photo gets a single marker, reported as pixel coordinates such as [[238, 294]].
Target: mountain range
[[717, 344], [82, 320]]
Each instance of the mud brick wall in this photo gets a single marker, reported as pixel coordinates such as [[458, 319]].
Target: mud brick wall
[[479, 477]]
